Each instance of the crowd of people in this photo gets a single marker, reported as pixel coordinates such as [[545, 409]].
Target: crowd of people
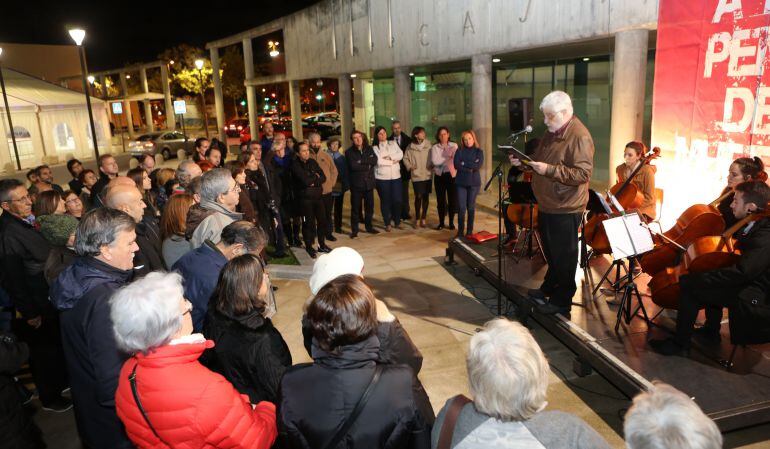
[[147, 297]]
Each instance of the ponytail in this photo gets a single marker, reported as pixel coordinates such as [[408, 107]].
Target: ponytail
[[752, 168]]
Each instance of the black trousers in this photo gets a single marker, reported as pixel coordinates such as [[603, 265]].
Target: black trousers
[[559, 234], [446, 195], [356, 196], [328, 201], [46, 356], [313, 221], [404, 198], [694, 299], [338, 205]]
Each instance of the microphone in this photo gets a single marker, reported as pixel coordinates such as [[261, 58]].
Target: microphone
[[526, 130]]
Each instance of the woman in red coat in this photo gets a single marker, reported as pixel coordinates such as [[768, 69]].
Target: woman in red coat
[[165, 397]]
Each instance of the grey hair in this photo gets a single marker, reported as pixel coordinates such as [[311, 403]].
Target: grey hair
[[312, 135], [145, 313], [664, 417], [215, 182], [194, 186], [100, 227], [246, 233], [557, 101], [507, 371], [6, 185], [182, 173]]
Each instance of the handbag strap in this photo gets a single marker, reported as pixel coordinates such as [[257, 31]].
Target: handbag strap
[[450, 419], [356, 410], [132, 381]]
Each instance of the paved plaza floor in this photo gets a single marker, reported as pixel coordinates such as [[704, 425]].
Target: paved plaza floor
[[441, 307]]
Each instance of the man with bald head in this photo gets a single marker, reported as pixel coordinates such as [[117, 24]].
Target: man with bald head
[[125, 197]]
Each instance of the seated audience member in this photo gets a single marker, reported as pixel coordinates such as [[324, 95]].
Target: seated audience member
[[45, 179], [508, 377], [249, 351], [106, 242], [186, 172], [165, 397], [59, 230], [200, 267], [73, 205], [126, 197], [395, 345], [88, 179], [666, 418], [75, 167], [317, 398], [172, 228], [219, 198], [48, 202], [16, 425]]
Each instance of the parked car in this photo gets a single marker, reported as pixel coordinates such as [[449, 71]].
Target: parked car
[[283, 126], [166, 143], [234, 127], [326, 124]]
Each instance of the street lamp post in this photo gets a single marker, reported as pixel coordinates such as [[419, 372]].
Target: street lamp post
[[199, 65], [8, 113], [78, 35]]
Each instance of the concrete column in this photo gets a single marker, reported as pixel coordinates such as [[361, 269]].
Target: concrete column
[[403, 87], [170, 116], [147, 105], [346, 107], [251, 91], [481, 108], [628, 83], [219, 102], [127, 106], [296, 109], [106, 97], [359, 105]]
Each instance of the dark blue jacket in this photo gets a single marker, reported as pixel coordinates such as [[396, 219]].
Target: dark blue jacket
[[468, 161], [200, 269], [342, 172], [82, 293]]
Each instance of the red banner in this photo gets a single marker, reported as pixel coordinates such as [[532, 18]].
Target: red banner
[[710, 98]]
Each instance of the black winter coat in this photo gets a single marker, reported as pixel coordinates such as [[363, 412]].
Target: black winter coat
[[249, 352], [23, 254], [749, 279], [361, 166], [315, 399], [16, 425], [82, 293], [150, 254], [308, 179]]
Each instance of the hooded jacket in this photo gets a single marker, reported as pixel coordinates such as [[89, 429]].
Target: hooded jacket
[[417, 161], [81, 293], [210, 228], [316, 398], [249, 352], [189, 406]]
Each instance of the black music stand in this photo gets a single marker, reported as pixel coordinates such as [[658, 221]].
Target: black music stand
[[521, 193]]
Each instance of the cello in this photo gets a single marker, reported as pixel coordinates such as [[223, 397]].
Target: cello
[[523, 215], [698, 220], [705, 253], [628, 196]]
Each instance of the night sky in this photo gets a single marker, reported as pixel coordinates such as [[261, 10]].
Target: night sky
[[139, 31]]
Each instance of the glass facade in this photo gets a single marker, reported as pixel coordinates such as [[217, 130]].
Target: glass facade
[[444, 99]]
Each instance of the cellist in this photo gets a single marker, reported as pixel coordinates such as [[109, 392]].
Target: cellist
[[644, 179], [741, 170], [723, 287]]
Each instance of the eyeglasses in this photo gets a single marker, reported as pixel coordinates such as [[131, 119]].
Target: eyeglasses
[[236, 188], [189, 307], [552, 115], [23, 199]]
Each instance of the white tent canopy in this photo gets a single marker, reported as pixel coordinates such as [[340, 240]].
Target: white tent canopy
[[50, 123]]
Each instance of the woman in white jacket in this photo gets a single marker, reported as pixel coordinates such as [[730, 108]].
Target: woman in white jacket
[[387, 176]]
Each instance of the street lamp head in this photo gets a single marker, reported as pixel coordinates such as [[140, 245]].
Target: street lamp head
[[78, 35], [91, 79], [273, 48], [199, 64], [171, 62]]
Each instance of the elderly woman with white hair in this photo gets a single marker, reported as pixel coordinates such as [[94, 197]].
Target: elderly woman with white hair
[[665, 418], [165, 397], [508, 376]]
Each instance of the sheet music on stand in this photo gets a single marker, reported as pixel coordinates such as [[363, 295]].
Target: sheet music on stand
[[627, 236]]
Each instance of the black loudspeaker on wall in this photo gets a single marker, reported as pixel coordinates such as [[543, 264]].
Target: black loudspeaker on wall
[[519, 113]]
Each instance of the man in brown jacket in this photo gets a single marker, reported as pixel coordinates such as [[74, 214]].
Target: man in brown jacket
[[326, 163], [562, 165]]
